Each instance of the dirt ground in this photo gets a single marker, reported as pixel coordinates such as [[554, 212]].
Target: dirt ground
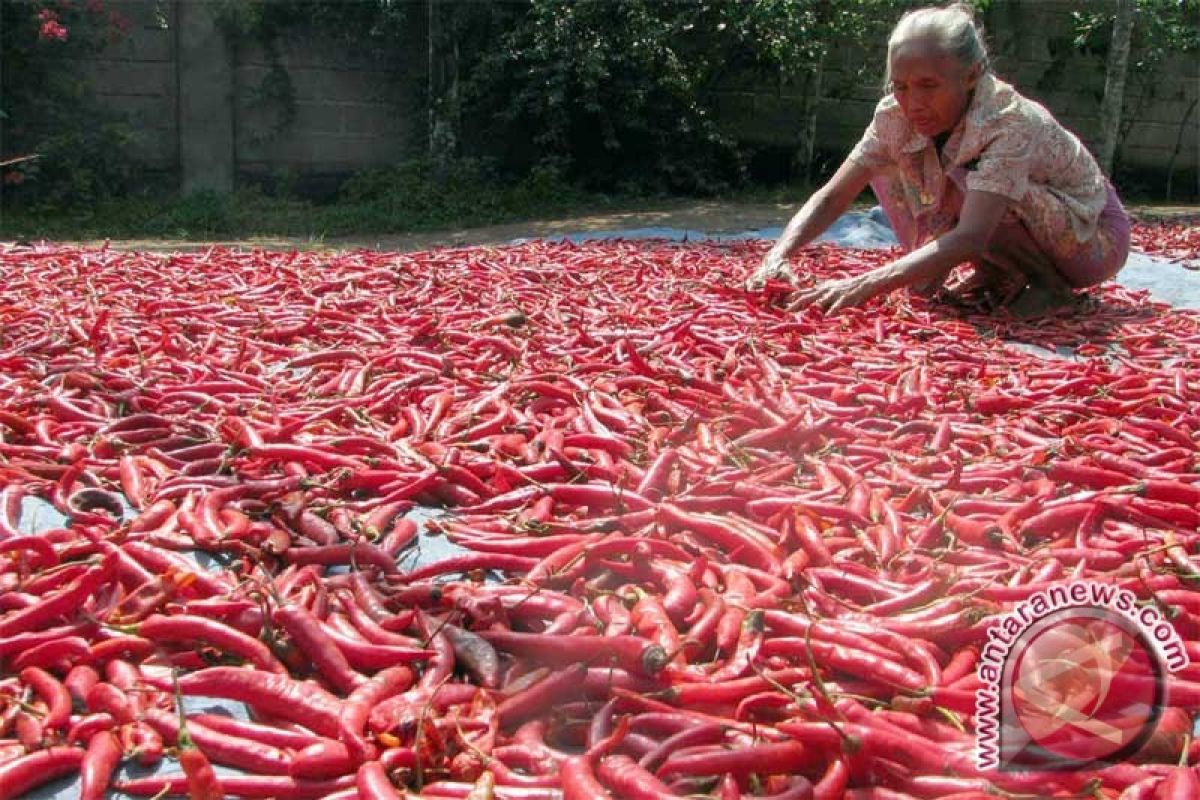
[[708, 216]]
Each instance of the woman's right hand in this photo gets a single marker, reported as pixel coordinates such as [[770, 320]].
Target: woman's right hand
[[773, 266]]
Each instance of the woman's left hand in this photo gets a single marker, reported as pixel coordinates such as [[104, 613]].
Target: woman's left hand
[[832, 296]]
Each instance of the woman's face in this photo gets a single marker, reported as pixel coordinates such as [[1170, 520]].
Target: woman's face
[[932, 88]]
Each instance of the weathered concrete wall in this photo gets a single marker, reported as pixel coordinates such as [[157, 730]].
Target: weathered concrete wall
[[206, 122], [353, 111], [198, 107], [350, 111], [138, 77]]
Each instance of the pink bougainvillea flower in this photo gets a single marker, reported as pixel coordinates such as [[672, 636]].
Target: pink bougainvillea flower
[[52, 30]]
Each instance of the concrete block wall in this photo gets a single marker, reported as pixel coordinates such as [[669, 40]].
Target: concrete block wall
[[354, 111], [137, 77], [350, 111]]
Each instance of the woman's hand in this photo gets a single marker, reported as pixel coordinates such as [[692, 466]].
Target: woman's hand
[[832, 296], [772, 266]]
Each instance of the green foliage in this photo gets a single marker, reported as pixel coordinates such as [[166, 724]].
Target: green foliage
[[1161, 27], [418, 194], [623, 94], [414, 196], [84, 151], [202, 213]]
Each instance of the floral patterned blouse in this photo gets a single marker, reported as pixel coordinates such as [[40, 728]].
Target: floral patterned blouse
[[1005, 144]]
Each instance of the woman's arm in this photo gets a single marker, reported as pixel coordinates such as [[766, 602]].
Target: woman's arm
[[818, 213], [981, 213]]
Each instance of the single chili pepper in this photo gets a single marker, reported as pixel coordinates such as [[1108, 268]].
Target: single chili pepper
[[271, 735], [326, 758], [21, 775], [475, 654], [312, 638], [194, 629], [626, 777], [371, 783], [40, 553], [362, 553], [51, 690], [99, 763], [521, 706], [50, 654], [81, 731], [468, 563], [29, 729], [579, 782], [277, 695], [79, 681], [371, 630], [108, 699], [771, 758], [353, 718]]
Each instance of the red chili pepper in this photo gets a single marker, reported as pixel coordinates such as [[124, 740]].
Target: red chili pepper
[[273, 736], [540, 697], [108, 699], [21, 775], [276, 695], [56, 696], [101, 761], [364, 554], [220, 747], [353, 719], [193, 629], [82, 730], [62, 603], [51, 654], [739, 544], [372, 783], [475, 654], [624, 775], [579, 782], [311, 637], [468, 563], [323, 759]]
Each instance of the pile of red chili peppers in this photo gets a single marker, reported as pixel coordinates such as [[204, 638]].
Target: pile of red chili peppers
[[710, 547]]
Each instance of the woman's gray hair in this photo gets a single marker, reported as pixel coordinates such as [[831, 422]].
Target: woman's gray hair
[[952, 28]]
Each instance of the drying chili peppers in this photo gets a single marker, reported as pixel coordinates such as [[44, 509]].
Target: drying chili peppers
[[708, 547]]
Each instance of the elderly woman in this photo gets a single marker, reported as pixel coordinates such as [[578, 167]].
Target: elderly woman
[[967, 170]]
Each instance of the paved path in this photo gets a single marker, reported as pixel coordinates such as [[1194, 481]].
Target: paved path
[[709, 216]]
